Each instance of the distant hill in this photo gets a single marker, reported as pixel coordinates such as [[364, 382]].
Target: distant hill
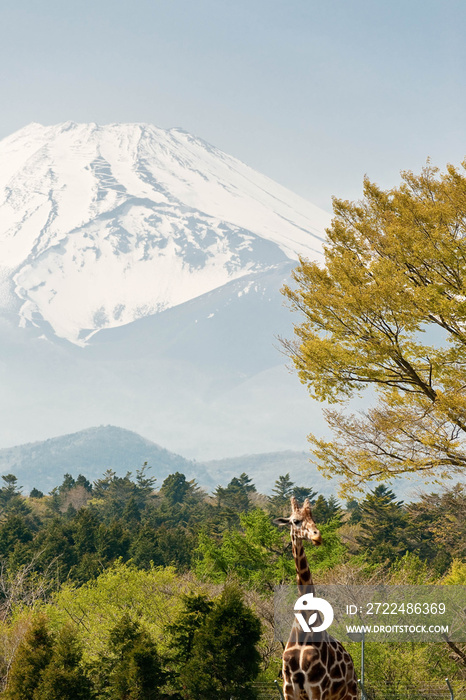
[[264, 469], [91, 452]]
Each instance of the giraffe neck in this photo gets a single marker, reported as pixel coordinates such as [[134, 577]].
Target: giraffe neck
[[303, 572]]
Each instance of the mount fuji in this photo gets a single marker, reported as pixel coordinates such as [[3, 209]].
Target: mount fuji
[[100, 226], [140, 271]]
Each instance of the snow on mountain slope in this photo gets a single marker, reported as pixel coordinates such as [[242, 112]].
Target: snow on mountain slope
[[100, 226]]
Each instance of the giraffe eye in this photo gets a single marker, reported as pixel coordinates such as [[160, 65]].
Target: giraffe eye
[[297, 522]]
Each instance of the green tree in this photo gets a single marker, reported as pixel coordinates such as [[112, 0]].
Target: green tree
[[113, 541], [456, 575], [282, 491], [437, 526], [131, 514], [85, 483], [64, 677], [35, 493], [163, 547], [9, 489], [257, 554], [55, 542], [30, 661], [145, 482], [326, 510], [11, 500], [303, 492], [151, 597], [224, 659], [247, 482], [85, 531], [383, 524], [134, 670], [67, 484], [354, 510], [196, 607], [388, 310], [175, 488], [13, 531], [112, 493], [235, 496]]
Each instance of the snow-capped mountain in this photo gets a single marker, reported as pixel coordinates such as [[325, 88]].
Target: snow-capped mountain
[[102, 225], [160, 259]]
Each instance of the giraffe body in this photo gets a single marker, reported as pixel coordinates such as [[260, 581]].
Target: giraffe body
[[314, 667], [321, 670]]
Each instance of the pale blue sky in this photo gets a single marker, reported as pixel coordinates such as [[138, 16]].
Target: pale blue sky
[[313, 94]]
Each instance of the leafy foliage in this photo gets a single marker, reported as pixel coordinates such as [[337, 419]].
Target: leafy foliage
[[129, 581], [64, 677], [234, 499], [151, 597], [256, 553], [326, 510], [388, 310]]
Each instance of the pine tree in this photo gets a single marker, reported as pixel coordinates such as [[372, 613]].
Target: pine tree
[[326, 510], [282, 491], [303, 492], [354, 510], [175, 488], [383, 524], [85, 483], [11, 500], [320, 510], [64, 678], [67, 484], [235, 496], [30, 661], [182, 631], [35, 493], [134, 671], [224, 659]]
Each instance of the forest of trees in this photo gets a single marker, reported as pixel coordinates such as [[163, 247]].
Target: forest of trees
[[129, 589]]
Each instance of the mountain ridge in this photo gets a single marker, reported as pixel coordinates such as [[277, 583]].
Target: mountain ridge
[[92, 451], [43, 463], [160, 215]]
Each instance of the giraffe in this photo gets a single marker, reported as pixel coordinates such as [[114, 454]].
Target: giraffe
[[313, 669]]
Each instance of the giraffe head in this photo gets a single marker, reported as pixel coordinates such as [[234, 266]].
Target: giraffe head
[[301, 522]]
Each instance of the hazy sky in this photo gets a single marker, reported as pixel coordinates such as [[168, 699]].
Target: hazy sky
[[313, 94]]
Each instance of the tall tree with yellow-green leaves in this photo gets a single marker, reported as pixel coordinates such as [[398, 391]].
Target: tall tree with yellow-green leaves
[[387, 309]]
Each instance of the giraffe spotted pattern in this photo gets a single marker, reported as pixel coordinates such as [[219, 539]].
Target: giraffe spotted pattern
[[313, 668]]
